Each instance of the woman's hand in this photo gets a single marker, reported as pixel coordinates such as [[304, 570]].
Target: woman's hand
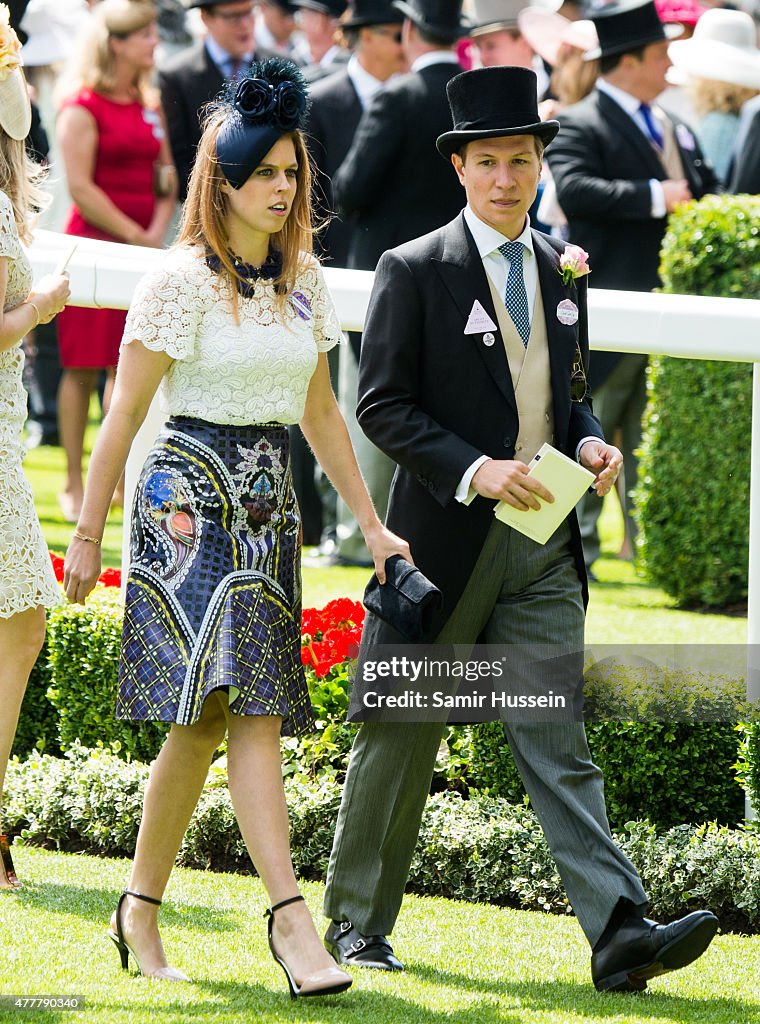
[[382, 544], [50, 295], [81, 568]]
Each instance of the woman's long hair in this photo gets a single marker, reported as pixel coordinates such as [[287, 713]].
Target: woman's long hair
[[204, 216], [93, 65], [21, 180]]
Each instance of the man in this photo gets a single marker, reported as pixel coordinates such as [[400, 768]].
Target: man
[[497, 36], [275, 28], [745, 175], [621, 166], [391, 187], [372, 30], [194, 77], [319, 22], [469, 347]]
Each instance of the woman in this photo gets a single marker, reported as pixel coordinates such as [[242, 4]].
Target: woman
[[27, 583], [236, 326], [720, 66], [121, 178]]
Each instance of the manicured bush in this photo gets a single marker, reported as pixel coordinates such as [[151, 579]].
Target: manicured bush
[[481, 849], [693, 494]]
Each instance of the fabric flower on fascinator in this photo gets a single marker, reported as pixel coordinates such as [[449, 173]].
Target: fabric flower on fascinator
[[573, 263], [271, 100], [10, 47]]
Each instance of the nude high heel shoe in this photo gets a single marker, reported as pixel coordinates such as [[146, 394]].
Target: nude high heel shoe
[[326, 982], [117, 937]]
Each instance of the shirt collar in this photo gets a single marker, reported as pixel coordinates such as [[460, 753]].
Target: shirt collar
[[220, 56], [488, 239], [434, 57], [623, 99], [366, 85]]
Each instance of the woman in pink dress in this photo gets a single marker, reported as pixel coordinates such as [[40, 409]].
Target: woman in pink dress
[[121, 178]]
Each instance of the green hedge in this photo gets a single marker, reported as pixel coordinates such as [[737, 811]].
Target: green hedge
[[648, 764], [693, 494], [481, 849], [72, 689]]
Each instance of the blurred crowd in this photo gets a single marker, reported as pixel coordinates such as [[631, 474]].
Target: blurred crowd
[[659, 102]]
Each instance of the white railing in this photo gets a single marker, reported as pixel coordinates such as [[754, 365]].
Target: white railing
[[104, 274]]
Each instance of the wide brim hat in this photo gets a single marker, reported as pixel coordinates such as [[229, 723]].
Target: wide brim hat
[[490, 103], [494, 16], [623, 27], [723, 48], [364, 13], [547, 33], [681, 12], [52, 27], [15, 106], [439, 18]]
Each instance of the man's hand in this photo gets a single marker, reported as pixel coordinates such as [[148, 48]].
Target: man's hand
[[508, 480], [603, 459], [675, 192]]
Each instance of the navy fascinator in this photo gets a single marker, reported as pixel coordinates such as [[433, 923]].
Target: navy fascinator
[[270, 100]]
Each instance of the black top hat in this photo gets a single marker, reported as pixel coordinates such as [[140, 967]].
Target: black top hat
[[488, 103], [627, 26], [333, 8], [372, 12], [440, 18]]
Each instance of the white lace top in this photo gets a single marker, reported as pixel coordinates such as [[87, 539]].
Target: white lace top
[[257, 371], [26, 575]]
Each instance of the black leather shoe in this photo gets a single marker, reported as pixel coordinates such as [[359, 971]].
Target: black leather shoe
[[642, 949], [349, 946]]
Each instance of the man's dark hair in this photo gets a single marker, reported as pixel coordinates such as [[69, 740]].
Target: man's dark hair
[[611, 61], [432, 40]]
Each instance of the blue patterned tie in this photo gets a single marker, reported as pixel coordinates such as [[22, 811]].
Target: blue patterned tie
[[516, 298], [652, 127]]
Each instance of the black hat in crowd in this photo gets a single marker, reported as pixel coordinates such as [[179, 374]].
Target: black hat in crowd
[[362, 13], [209, 3], [332, 8], [440, 18], [488, 103], [627, 26]]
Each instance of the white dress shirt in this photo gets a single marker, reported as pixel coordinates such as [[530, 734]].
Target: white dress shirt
[[434, 57], [366, 85], [631, 105], [222, 59]]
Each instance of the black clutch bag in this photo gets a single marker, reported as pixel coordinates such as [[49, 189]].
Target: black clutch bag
[[406, 601]]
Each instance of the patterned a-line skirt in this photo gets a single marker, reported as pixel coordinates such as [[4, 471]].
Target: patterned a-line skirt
[[213, 598]]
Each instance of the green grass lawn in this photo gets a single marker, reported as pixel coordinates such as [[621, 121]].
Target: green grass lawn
[[466, 964], [623, 609]]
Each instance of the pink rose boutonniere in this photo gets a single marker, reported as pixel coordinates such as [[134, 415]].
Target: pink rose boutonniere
[[573, 263]]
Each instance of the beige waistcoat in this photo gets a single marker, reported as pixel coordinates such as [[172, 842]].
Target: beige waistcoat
[[531, 377]]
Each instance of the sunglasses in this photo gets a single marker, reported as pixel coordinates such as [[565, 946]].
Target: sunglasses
[[578, 384]]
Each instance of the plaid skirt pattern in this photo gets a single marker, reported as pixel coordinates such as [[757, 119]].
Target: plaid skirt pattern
[[213, 597]]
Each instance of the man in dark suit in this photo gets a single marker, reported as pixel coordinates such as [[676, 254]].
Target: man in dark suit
[[621, 166], [745, 176], [194, 77], [372, 30], [392, 187], [319, 22], [470, 344]]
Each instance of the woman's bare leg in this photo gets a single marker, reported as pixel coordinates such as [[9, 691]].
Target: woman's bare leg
[[173, 790], [256, 787], [21, 639], [74, 393]]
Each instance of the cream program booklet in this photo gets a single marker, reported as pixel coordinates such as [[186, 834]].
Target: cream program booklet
[[567, 480]]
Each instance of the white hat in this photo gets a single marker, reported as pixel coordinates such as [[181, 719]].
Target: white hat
[[546, 32], [15, 108], [53, 27], [494, 15], [723, 48]]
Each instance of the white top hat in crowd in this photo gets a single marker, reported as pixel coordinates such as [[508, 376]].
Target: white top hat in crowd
[[494, 15], [546, 32], [723, 48], [53, 27], [15, 108]]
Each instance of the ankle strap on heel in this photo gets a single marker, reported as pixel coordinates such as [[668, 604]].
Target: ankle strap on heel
[[284, 903], [140, 896]]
